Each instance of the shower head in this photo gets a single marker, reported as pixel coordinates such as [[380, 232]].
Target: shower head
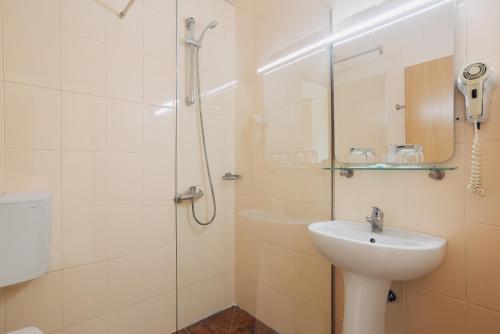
[[211, 25]]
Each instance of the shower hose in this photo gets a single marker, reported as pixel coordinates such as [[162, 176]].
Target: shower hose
[[476, 171], [207, 163]]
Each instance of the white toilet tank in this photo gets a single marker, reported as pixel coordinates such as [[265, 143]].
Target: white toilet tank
[[24, 236]]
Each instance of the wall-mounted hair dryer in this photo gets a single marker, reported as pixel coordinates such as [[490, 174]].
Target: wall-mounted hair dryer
[[476, 82]]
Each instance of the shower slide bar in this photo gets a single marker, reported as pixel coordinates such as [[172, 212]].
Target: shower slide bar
[[126, 9], [379, 49]]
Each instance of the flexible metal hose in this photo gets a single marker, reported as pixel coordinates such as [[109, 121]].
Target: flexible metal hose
[[202, 125], [476, 171]]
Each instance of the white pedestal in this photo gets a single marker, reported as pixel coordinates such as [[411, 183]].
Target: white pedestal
[[365, 304]]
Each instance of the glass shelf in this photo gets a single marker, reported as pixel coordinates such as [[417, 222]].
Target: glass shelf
[[436, 172]]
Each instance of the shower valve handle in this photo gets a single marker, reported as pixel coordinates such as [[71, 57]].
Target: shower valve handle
[[192, 194]]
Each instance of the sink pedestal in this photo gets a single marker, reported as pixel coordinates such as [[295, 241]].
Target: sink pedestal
[[365, 304]]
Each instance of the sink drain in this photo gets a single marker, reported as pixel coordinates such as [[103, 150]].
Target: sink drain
[[372, 240]]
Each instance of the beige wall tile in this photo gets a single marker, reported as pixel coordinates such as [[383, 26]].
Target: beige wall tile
[[282, 313], [129, 320], [84, 122], [188, 263], [84, 179], [125, 34], [35, 303], [212, 256], [83, 65], [159, 177], [34, 11], [126, 279], [480, 14], [159, 129], [32, 51], [84, 293], [483, 271], [84, 18], [310, 320], [124, 126], [449, 277], [431, 313], [190, 310], [34, 170], [124, 178], [283, 270], [160, 271], [124, 84], [311, 276], [83, 236], [159, 225], [124, 230], [481, 320], [426, 198], [94, 326], [159, 88], [213, 295], [32, 117], [160, 314]]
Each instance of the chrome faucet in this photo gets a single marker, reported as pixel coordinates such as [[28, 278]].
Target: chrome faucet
[[376, 220]]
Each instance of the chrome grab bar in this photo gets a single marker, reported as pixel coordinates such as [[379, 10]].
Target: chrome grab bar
[[191, 194]]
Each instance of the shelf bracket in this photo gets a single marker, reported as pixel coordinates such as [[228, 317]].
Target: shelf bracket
[[437, 175]]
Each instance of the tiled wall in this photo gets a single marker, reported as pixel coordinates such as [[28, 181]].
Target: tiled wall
[[88, 115], [283, 143], [462, 295]]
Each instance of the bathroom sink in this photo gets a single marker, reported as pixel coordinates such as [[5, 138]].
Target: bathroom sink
[[370, 262], [393, 254]]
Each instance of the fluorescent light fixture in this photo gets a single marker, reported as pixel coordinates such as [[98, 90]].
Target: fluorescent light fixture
[[401, 13]]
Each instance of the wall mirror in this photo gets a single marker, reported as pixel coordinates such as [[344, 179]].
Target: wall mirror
[[394, 85]]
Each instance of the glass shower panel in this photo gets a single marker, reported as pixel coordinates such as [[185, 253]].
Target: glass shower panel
[[283, 119], [271, 128], [205, 257]]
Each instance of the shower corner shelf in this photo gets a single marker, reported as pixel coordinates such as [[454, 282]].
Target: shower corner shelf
[[436, 172]]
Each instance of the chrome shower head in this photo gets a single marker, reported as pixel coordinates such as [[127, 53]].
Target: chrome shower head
[[211, 25]]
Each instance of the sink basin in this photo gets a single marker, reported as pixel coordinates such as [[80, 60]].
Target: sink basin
[[393, 254], [370, 262]]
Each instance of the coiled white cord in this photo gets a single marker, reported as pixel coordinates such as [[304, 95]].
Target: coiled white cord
[[476, 171]]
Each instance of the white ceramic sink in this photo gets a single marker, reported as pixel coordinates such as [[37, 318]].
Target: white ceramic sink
[[370, 262]]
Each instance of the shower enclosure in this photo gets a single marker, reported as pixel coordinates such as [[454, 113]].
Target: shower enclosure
[[244, 241]]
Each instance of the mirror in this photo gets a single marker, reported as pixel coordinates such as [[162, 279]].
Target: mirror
[[394, 85]]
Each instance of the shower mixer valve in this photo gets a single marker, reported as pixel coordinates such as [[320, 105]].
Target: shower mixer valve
[[192, 194]]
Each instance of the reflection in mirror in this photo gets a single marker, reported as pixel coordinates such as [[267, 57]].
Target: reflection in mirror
[[393, 86]]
